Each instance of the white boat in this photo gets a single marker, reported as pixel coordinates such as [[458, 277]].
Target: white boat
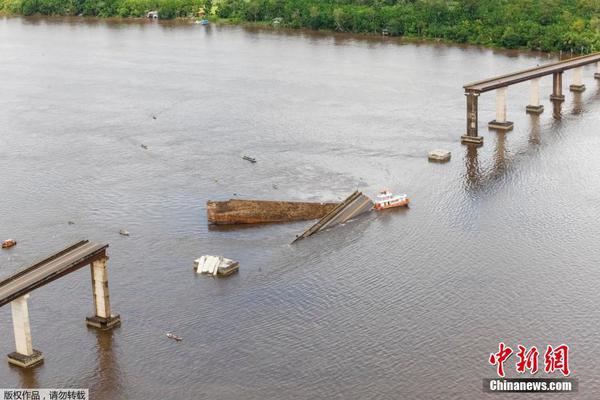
[[386, 199]]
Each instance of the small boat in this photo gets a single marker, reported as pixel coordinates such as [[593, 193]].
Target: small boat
[[385, 199], [174, 337], [8, 243], [251, 159]]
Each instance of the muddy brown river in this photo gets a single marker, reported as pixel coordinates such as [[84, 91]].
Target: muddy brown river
[[500, 244]]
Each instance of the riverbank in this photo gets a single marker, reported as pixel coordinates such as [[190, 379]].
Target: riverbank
[[567, 26]]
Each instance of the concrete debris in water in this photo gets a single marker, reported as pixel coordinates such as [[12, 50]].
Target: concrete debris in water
[[356, 204], [9, 243], [216, 265], [439, 155], [124, 232], [261, 211]]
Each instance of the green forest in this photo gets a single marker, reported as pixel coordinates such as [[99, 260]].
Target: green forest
[[547, 25]]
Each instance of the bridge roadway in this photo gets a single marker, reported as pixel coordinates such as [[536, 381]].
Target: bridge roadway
[[531, 73], [41, 273]]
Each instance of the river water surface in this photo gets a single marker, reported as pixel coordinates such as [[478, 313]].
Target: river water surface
[[500, 244]]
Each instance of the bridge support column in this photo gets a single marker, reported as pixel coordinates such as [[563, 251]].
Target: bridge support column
[[577, 85], [597, 74], [25, 355], [500, 123], [472, 137], [534, 106], [557, 94], [103, 319]]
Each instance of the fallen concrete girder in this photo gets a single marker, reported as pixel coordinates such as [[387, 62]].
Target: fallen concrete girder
[[261, 211], [356, 204]]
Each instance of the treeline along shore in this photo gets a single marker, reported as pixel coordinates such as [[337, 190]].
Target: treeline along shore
[[546, 25]]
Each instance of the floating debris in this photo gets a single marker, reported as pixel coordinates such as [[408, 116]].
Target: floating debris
[[123, 232], [275, 186], [144, 147], [174, 337], [439, 155], [7, 244], [216, 265], [71, 223], [153, 116], [251, 159], [261, 211]]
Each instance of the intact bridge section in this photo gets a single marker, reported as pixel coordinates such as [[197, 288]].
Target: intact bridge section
[[15, 290], [501, 83]]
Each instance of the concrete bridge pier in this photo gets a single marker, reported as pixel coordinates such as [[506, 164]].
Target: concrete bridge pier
[[577, 85], [557, 94], [500, 123], [597, 74], [472, 137], [25, 355], [103, 318], [534, 106]]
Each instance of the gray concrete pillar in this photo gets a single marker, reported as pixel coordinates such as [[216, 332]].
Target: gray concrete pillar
[[500, 123], [25, 355], [472, 136], [534, 106], [577, 85], [103, 318], [557, 94]]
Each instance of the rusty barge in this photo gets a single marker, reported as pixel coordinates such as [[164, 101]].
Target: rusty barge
[[236, 211]]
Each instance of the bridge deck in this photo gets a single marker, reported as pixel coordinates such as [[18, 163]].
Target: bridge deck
[[532, 73], [57, 265]]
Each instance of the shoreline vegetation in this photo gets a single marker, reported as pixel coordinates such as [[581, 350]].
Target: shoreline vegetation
[[542, 25]]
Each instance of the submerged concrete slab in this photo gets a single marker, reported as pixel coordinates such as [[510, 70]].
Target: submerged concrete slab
[[216, 265], [439, 155], [356, 204]]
